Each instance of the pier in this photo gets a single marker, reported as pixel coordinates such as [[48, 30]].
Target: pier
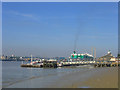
[[50, 64], [54, 64], [33, 66], [44, 64], [101, 64], [62, 64], [76, 60]]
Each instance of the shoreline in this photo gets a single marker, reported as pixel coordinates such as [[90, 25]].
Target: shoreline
[[103, 77]]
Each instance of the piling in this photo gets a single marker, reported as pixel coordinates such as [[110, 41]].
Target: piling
[[106, 64]]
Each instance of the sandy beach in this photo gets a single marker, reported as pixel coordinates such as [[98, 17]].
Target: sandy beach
[[109, 79], [106, 77], [99, 78]]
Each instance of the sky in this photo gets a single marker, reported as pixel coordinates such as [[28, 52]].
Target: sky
[[49, 29]]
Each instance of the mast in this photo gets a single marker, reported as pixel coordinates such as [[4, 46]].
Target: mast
[[94, 53], [31, 59]]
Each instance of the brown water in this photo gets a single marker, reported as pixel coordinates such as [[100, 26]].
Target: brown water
[[15, 76]]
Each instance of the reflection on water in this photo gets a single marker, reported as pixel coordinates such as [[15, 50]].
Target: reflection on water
[[84, 87], [13, 73]]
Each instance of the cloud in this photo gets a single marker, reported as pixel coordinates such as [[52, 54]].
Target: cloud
[[101, 36], [23, 15]]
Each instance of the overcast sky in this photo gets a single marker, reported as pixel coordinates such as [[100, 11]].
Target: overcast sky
[[50, 29]]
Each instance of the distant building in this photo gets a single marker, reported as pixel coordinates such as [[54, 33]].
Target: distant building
[[59, 58], [85, 56], [107, 57], [2, 57], [13, 55], [113, 59], [21, 58]]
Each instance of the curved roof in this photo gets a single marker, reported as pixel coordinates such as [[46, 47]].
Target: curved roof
[[108, 56]]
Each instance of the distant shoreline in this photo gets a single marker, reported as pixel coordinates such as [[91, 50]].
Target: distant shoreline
[[11, 60]]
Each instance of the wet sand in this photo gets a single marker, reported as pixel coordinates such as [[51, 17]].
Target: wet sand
[[107, 80], [104, 79], [98, 78], [90, 78]]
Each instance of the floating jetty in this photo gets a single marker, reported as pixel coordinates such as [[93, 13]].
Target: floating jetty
[[44, 64], [50, 64], [34, 66], [55, 64], [39, 64], [62, 64]]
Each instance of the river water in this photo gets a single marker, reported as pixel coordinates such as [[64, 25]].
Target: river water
[[12, 73]]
